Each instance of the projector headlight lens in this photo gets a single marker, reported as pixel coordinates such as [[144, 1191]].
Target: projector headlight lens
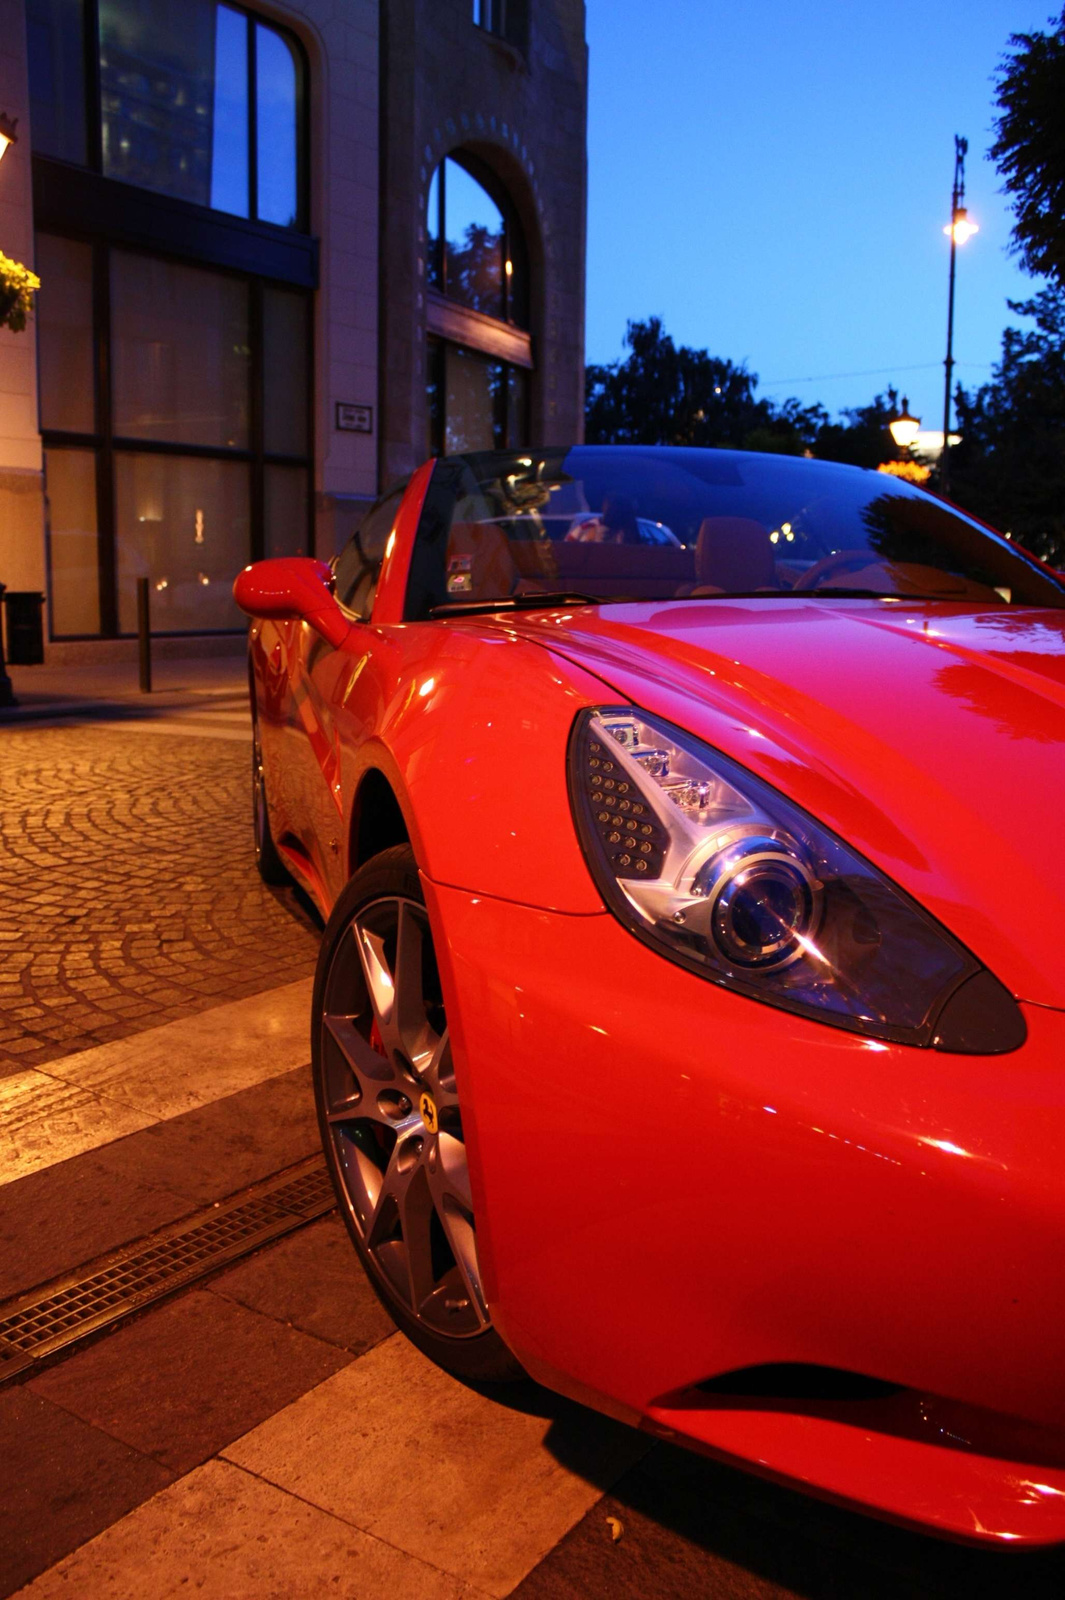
[[721, 873]]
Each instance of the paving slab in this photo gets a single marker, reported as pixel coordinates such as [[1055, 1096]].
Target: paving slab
[[54, 1220], [459, 1479], [61, 1482], [220, 1148], [183, 1381], [222, 1534], [314, 1282]]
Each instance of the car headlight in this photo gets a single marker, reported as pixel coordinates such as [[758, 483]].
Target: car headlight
[[721, 873]]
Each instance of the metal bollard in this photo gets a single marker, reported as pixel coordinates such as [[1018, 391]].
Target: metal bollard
[[144, 635]]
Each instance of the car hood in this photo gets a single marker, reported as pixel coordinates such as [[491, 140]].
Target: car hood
[[929, 738]]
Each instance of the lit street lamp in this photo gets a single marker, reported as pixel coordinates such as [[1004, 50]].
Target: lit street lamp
[[8, 136], [904, 428], [960, 229]]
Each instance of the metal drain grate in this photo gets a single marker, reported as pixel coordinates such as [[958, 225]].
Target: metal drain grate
[[57, 1314]]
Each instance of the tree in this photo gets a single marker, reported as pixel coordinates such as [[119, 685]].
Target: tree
[[665, 394], [1010, 465], [1030, 148]]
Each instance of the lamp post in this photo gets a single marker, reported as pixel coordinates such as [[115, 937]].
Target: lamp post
[[959, 228], [904, 429]]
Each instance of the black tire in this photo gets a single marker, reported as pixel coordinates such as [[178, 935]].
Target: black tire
[[390, 1122], [272, 869]]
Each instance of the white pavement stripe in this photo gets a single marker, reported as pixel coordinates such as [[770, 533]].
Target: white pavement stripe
[[501, 1497], [168, 725], [50, 1113], [187, 728]]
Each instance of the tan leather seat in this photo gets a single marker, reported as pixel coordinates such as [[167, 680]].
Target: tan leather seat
[[734, 555]]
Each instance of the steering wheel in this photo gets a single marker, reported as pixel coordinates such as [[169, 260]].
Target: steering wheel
[[830, 566]]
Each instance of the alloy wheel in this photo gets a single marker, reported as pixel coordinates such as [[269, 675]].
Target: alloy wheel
[[393, 1120]]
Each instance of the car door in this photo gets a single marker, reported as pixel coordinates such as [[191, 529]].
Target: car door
[[331, 677]]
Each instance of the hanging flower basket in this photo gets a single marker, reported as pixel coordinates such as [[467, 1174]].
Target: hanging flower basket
[[17, 288]]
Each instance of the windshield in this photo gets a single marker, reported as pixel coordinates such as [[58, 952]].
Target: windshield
[[647, 523]]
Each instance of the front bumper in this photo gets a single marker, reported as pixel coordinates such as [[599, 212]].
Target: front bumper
[[674, 1182]]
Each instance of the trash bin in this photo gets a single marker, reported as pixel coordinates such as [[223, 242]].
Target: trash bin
[[25, 627]]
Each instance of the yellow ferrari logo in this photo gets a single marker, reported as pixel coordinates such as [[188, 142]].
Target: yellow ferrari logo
[[427, 1107]]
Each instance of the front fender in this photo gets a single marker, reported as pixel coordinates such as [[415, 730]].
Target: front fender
[[470, 727]]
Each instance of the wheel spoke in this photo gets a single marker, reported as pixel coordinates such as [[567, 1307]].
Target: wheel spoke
[[438, 1075], [416, 1038], [369, 1073], [404, 1207]]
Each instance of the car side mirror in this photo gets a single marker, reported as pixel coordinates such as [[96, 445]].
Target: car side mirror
[[293, 588]]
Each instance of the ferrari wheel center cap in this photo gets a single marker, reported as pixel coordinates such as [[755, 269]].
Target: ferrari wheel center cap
[[427, 1107]]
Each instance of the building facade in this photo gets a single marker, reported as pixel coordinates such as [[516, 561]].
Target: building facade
[[286, 252]]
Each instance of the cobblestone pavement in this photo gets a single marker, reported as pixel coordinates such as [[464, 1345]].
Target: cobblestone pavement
[[128, 889]]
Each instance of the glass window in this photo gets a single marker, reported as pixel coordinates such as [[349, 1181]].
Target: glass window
[[178, 89], [473, 230], [359, 562], [183, 523], [70, 486], [157, 94], [476, 253], [434, 221], [285, 522], [64, 334], [277, 123], [181, 356], [286, 341], [182, 372], [474, 403], [229, 133], [507, 18], [55, 37], [471, 394]]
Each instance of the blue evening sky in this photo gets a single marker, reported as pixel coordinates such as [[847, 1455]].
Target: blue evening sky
[[772, 178]]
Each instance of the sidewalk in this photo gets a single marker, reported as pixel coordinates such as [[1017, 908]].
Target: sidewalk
[[89, 690]]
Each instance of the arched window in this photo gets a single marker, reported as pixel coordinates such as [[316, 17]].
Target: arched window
[[480, 353]]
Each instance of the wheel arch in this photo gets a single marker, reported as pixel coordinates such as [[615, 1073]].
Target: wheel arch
[[377, 820]]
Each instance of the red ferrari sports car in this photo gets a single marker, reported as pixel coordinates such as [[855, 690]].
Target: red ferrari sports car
[[689, 1028]]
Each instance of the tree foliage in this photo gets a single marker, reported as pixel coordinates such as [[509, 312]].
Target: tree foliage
[[1030, 148], [661, 393], [1010, 465]]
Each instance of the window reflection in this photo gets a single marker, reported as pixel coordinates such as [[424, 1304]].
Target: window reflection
[[176, 86], [55, 38], [276, 127], [64, 334], [285, 520], [476, 255], [180, 352], [183, 524], [157, 100], [70, 488], [474, 244], [475, 403], [229, 135]]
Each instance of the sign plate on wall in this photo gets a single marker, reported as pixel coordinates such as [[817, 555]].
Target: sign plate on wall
[[354, 419]]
